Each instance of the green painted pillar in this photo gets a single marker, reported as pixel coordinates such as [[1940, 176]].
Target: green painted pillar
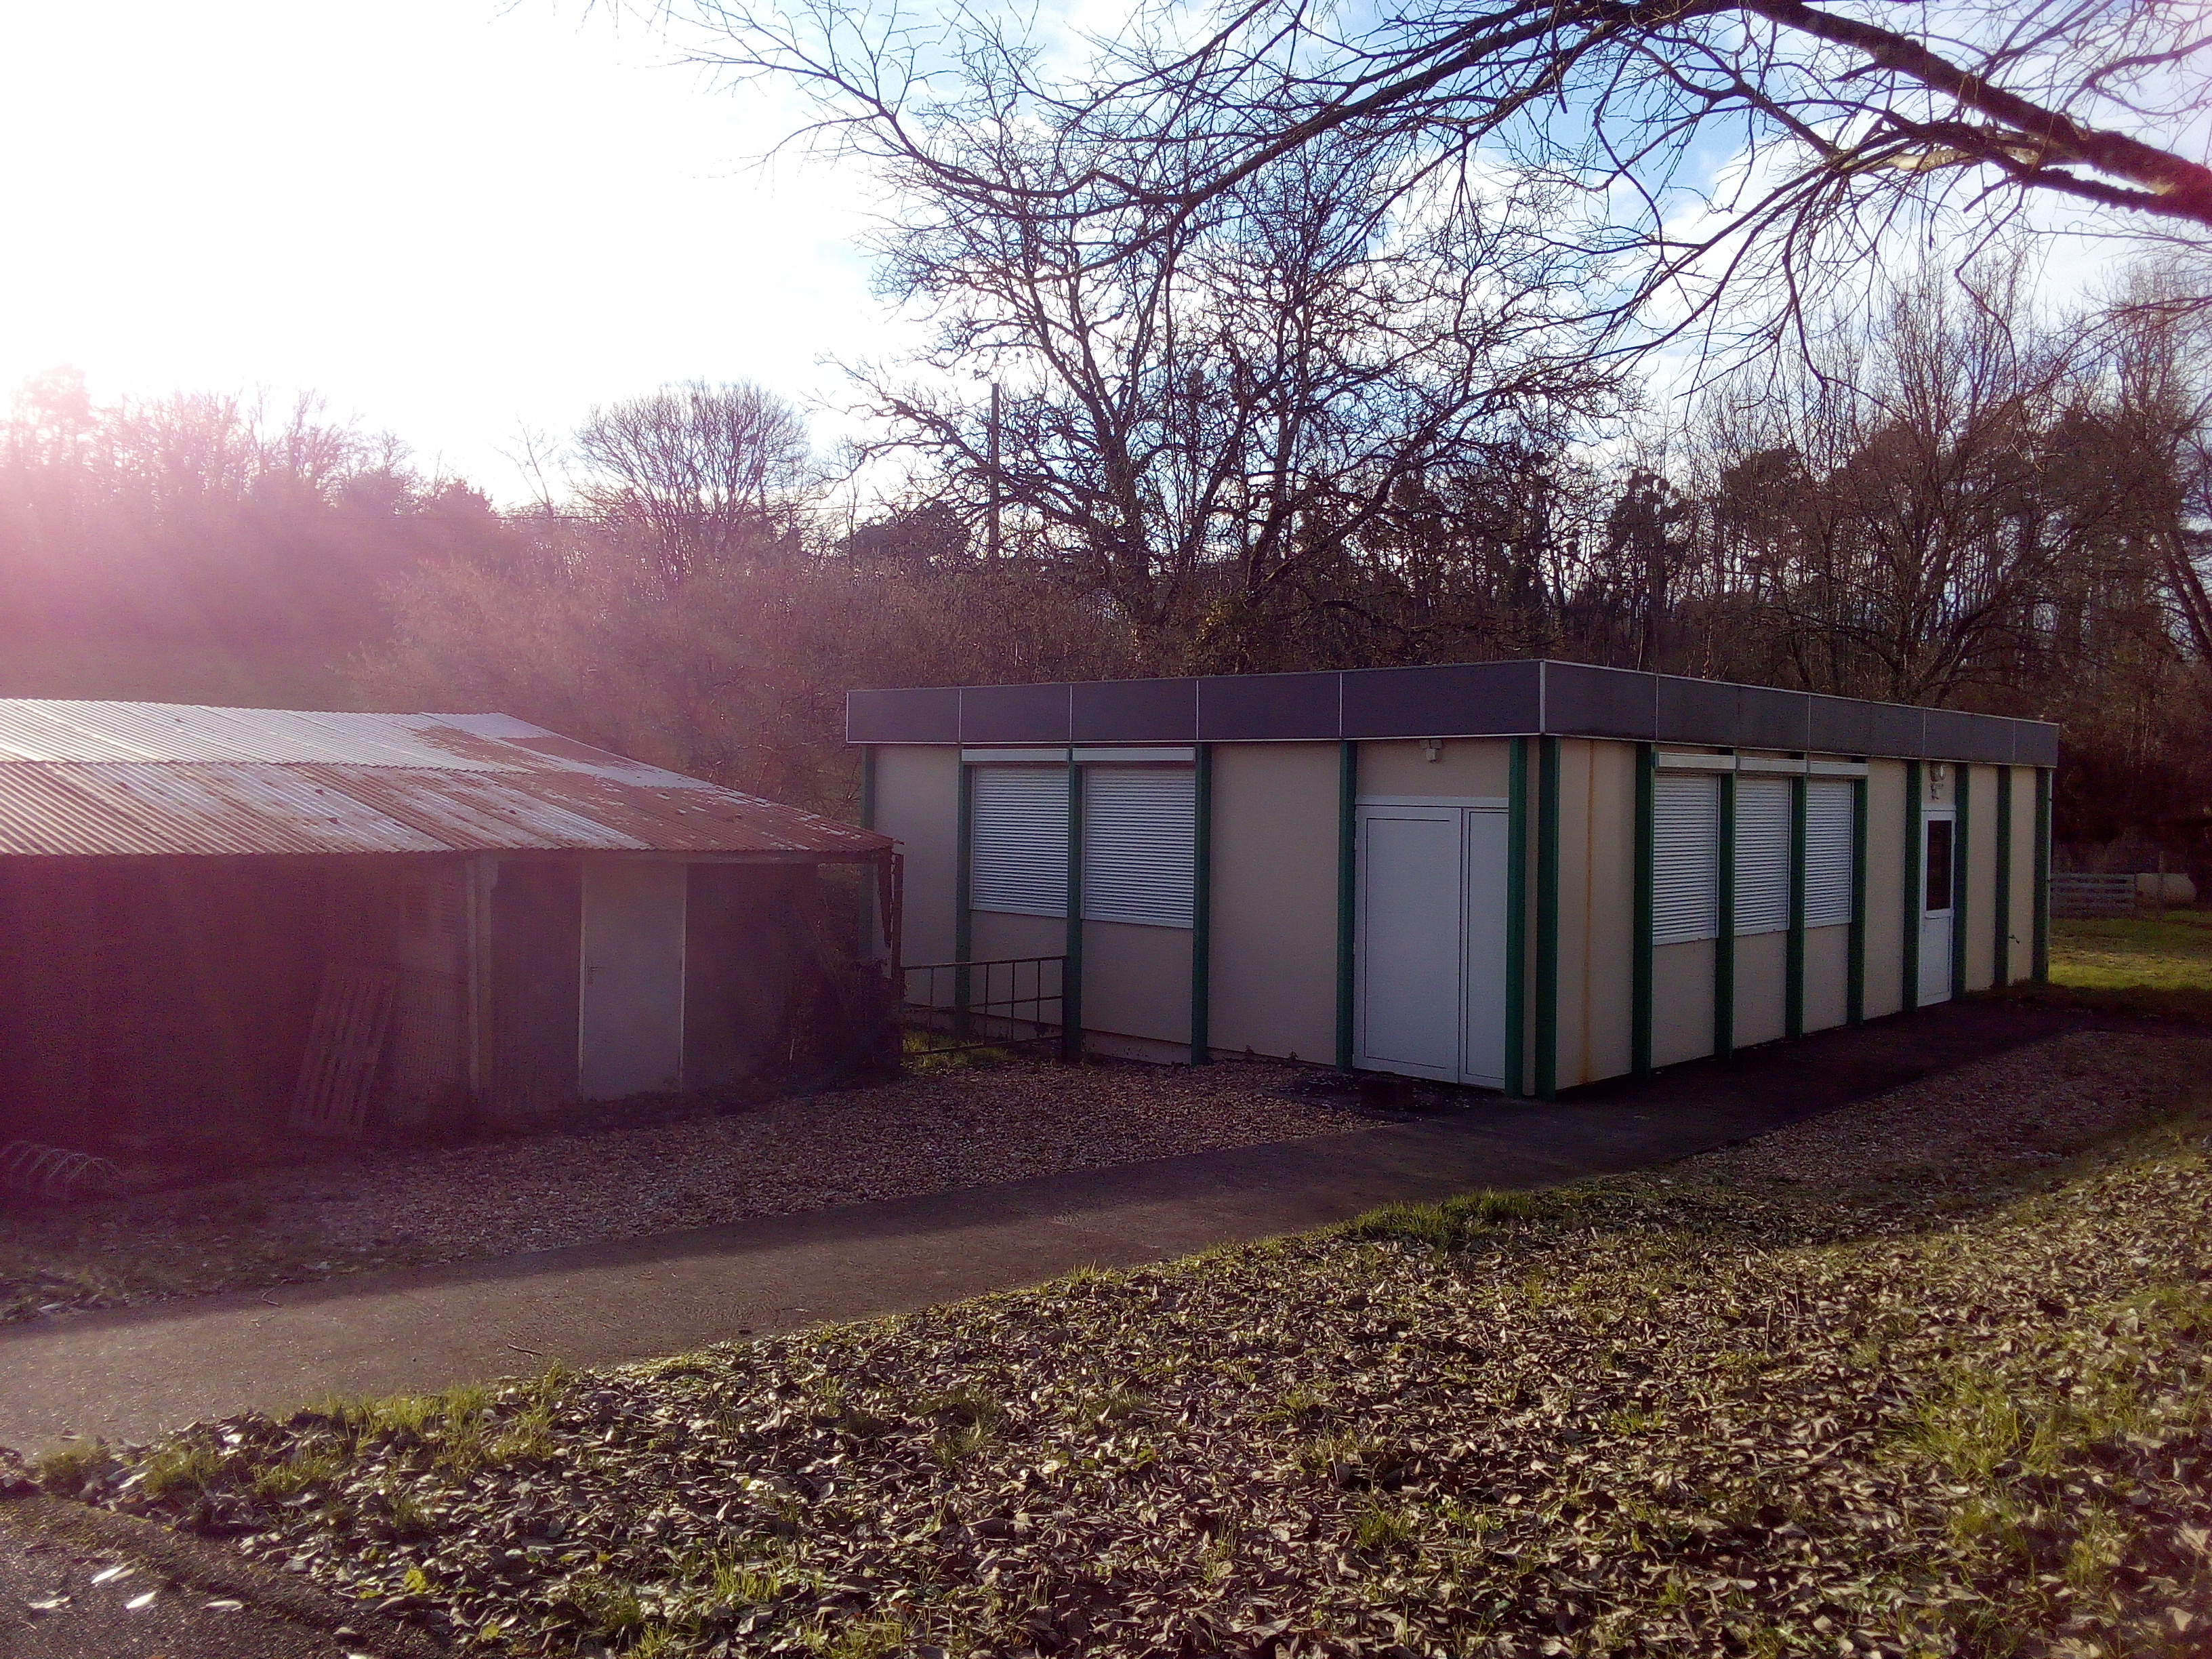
[[1641, 968], [2001, 940], [1547, 918], [1725, 939], [1915, 897], [1516, 918], [1201, 905], [1347, 897]]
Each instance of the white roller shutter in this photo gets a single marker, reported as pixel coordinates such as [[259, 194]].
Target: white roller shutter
[[1686, 888], [1827, 851], [1139, 857], [1017, 841], [1762, 854]]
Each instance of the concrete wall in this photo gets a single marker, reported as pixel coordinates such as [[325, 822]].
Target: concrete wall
[[1275, 818], [1762, 968], [1885, 894], [1681, 1001], [1477, 767], [2021, 930], [1597, 909], [1981, 890], [1136, 980], [1827, 977], [918, 805]]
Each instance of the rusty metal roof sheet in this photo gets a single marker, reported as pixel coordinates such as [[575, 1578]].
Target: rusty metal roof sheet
[[149, 779]]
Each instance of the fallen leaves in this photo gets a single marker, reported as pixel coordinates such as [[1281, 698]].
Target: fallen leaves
[[1648, 1416]]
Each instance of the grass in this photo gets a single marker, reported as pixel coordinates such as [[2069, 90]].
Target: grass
[[2157, 963]]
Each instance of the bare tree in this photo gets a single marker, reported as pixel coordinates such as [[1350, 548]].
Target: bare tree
[[1701, 147], [705, 475], [1201, 433]]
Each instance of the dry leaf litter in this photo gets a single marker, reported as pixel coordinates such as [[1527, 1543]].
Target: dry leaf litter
[[999, 1122], [1698, 1412]]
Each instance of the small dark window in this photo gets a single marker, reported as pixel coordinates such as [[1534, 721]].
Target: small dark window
[[1939, 864]]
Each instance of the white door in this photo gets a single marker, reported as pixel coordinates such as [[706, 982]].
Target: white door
[[630, 1023], [1409, 957], [1938, 873], [1431, 946], [1483, 906]]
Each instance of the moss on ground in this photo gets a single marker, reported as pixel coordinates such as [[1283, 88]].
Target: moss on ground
[[1648, 1415]]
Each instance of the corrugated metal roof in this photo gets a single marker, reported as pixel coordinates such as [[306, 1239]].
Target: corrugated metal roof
[[149, 779]]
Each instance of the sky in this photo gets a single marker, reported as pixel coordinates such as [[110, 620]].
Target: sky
[[454, 219]]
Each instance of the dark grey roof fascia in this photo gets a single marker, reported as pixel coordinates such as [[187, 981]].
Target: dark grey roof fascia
[[1522, 698]]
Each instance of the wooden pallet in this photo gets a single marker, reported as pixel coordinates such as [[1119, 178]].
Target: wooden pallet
[[339, 1068]]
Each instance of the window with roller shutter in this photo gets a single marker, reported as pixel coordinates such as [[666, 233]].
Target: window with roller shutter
[[1686, 888], [1762, 854], [1140, 859], [1017, 839], [1828, 825]]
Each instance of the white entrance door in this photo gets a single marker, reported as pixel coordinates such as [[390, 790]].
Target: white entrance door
[[1430, 945], [630, 1025], [1937, 872]]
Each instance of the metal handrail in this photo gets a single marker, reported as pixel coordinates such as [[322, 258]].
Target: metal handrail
[[962, 1008]]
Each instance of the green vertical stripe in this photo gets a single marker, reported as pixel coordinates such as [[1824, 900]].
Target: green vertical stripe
[[1647, 762], [1201, 904], [2042, 956], [1517, 918], [1961, 866], [2001, 941], [1724, 941], [1855, 967], [1347, 894], [1547, 918], [1071, 983], [1914, 896], [1792, 971]]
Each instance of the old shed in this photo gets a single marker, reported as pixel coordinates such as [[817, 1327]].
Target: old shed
[[208, 914]]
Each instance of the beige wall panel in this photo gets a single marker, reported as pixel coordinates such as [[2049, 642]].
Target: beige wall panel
[[1597, 893], [1681, 1001], [2022, 962], [1274, 899], [1463, 766], [1136, 980], [1981, 878], [998, 935], [1762, 973], [918, 805], [1885, 894], [1827, 977]]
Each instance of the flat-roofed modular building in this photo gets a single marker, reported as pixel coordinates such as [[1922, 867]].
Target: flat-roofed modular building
[[1520, 875], [450, 916]]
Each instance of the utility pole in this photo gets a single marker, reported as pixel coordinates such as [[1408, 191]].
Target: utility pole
[[991, 542]]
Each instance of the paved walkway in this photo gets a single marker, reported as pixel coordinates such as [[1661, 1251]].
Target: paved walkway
[[132, 1372]]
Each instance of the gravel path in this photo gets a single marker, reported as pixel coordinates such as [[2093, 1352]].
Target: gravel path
[[1003, 1121]]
